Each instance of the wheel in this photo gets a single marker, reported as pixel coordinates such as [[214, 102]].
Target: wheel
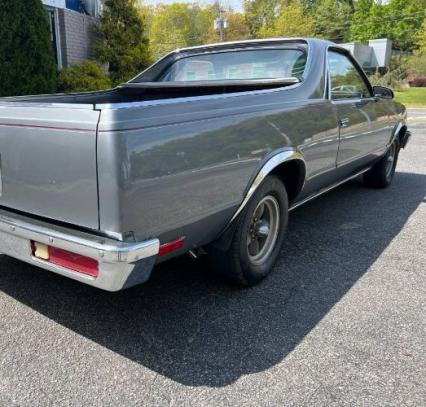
[[381, 174], [257, 236]]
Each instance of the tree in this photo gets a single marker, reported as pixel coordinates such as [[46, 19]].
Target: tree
[[350, 3], [179, 25], [261, 14], [417, 62], [363, 26], [237, 28], [291, 22], [405, 19], [399, 20], [27, 61], [122, 42], [421, 39], [332, 19]]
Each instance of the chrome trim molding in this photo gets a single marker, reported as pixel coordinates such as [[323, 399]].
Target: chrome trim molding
[[119, 262], [325, 190], [266, 169], [101, 249], [396, 131]]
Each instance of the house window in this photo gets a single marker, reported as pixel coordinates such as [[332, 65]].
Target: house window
[[54, 34]]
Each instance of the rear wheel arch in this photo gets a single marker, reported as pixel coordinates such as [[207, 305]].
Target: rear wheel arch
[[292, 174], [399, 132], [288, 165]]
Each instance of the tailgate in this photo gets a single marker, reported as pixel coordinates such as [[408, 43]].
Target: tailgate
[[48, 161]]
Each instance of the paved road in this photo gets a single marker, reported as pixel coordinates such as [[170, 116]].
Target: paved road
[[340, 322], [417, 115]]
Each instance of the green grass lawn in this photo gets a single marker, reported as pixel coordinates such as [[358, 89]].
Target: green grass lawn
[[412, 97]]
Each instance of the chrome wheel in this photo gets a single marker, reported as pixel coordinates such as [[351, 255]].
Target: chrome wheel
[[263, 229], [390, 161]]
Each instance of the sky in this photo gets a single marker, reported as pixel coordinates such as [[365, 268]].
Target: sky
[[235, 4]]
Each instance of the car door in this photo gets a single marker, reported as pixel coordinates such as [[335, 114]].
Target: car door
[[361, 130]]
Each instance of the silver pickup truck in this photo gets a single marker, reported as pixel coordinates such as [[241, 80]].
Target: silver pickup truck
[[207, 150]]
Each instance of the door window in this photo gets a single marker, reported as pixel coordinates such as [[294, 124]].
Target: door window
[[345, 80]]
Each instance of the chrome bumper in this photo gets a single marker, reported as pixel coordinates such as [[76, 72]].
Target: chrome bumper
[[121, 264]]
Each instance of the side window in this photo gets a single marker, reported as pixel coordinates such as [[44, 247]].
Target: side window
[[346, 82]]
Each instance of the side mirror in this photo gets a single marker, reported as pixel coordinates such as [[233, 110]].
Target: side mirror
[[382, 92]]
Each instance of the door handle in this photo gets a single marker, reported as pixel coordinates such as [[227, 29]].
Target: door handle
[[344, 122]]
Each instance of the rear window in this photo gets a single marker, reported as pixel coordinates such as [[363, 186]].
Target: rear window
[[254, 64]]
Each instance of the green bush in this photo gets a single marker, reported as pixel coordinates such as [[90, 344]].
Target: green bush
[[121, 41], [27, 62], [84, 77], [417, 64], [394, 76]]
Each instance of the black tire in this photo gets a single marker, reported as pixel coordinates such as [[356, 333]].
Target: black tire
[[381, 174], [238, 260]]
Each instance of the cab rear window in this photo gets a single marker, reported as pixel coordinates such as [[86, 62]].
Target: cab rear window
[[253, 64]]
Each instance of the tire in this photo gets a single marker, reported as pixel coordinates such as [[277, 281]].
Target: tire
[[381, 174], [257, 236]]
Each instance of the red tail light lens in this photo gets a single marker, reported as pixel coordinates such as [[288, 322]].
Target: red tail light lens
[[169, 247], [66, 259]]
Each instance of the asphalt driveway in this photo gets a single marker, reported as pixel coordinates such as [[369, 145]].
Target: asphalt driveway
[[341, 321]]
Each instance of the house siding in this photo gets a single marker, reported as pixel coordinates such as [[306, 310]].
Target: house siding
[[76, 35]]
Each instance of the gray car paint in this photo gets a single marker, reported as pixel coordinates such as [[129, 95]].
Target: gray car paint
[[48, 161], [181, 167]]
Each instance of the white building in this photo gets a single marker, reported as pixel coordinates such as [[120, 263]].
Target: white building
[[70, 27], [375, 54]]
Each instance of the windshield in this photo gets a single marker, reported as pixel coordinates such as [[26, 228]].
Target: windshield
[[254, 64]]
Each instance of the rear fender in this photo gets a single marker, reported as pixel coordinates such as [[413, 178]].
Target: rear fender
[[267, 167]]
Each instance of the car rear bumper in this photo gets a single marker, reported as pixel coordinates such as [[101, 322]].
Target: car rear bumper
[[120, 264]]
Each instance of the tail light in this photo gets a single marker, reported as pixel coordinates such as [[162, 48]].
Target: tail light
[[66, 259], [169, 247]]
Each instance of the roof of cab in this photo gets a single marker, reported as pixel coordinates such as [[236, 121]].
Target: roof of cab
[[230, 44]]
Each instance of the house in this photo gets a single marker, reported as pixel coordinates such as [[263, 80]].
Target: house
[[376, 54], [71, 28]]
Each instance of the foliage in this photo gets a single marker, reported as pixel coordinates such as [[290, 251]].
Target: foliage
[[27, 62], [399, 20], [417, 64], [395, 75], [291, 22], [237, 28], [412, 97], [178, 25], [332, 19], [421, 39], [85, 77], [122, 43], [261, 15]]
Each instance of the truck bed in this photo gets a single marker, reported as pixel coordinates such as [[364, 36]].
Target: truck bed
[[143, 91], [49, 145]]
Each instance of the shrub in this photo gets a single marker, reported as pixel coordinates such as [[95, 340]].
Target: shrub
[[418, 82], [27, 61], [394, 76], [121, 41], [85, 77], [417, 64]]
